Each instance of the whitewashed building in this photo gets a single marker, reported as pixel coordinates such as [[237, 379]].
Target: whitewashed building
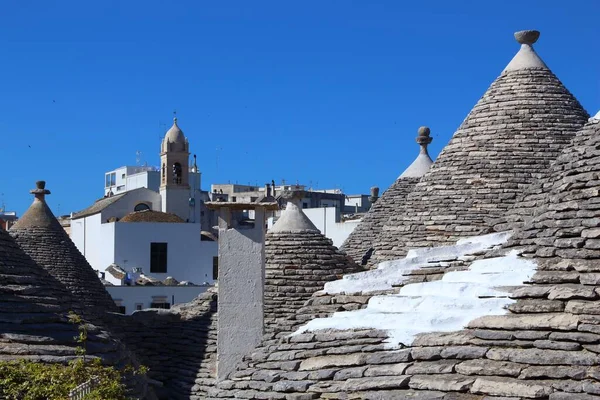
[[151, 232]]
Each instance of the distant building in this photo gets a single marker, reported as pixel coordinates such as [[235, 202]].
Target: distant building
[[145, 236], [7, 219]]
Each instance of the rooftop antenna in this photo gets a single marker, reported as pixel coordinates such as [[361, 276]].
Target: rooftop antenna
[[138, 157], [3, 206]]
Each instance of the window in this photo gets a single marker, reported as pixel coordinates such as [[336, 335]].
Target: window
[[158, 258], [215, 268], [122, 309], [163, 172], [110, 179], [233, 198], [177, 173], [253, 199], [165, 306], [139, 306], [304, 205], [122, 176], [141, 207]]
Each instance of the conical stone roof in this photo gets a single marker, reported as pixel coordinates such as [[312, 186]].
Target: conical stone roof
[[360, 243], [508, 139], [33, 323], [41, 236], [299, 260]]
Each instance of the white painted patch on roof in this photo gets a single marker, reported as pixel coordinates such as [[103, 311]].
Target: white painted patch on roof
[[441, 306], [389, 273], [419, 167], [293, 219], [596, 117], [525, 58]]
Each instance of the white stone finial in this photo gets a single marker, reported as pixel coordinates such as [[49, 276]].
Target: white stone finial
[[421, 165], [527, 37], [526, 57]]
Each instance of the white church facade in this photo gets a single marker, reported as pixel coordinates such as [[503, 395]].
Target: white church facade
[[138, 237]]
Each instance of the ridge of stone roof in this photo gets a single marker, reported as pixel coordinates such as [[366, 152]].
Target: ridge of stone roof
[[293, 219], [422, 163], [507, 140], [526, 57], [42, 237]]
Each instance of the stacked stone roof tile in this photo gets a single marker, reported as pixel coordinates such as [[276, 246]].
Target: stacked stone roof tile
[[508, 140], [299, 260], [360, 243], [42, 237]]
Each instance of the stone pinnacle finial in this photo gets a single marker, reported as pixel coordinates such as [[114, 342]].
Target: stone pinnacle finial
[[527, 37], [424, 139], [40, 190], [421, 165]]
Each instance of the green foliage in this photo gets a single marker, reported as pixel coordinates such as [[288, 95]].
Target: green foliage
[[28, 380]]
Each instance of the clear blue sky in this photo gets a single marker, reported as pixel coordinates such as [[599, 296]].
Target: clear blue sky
[[328, 92]]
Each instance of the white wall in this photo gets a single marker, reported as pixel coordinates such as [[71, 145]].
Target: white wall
[[188, 258], [130, 296], [126, 204], [325, 220], [96, 241]]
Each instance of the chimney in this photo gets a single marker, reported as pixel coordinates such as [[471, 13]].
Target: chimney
[[267, 190], [241, 284], [273, 184], [374, 194]]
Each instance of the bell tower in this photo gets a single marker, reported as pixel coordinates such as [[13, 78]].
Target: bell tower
[[174, 172]]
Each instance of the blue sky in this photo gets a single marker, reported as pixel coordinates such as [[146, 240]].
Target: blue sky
[[328, 93]]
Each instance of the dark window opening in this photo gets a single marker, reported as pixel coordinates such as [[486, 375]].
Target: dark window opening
[[141, 207], [158, 257], [304, 205], [139, 307], [177, 173], [215, 268], [164, 171], [233, 198], [163, 305], [122, 309]]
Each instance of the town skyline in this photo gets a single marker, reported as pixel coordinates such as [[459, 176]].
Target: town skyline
[[262, 92]]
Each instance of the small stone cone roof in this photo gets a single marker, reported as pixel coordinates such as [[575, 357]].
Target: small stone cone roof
[[41, 236], [299, 260], [359, 244], [508, 139]]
